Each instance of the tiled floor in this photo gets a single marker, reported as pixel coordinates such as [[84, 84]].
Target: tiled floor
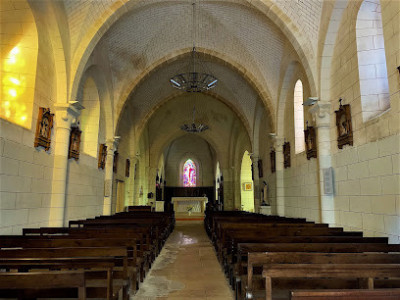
[[187, 268]]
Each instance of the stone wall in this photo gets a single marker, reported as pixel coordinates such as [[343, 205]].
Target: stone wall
[[367, 173], [189, 146], [25, 181]]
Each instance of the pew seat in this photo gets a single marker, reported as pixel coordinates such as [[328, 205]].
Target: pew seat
[[378, 294]]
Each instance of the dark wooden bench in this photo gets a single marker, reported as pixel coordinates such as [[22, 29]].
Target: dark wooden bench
[[29, 285], [378, 294], [269, 258], [357, 271], [108, 283], [249, 258]]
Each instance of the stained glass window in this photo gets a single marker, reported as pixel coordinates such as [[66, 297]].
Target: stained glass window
[[189, 173]]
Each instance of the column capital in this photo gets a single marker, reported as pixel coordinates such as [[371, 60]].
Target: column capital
[[321, 114], [112, 144], [67, 113], [276, 140]]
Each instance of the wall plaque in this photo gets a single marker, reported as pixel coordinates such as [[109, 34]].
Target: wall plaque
[[43, 128]]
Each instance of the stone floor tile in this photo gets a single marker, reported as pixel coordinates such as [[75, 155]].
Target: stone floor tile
[[187, 268]]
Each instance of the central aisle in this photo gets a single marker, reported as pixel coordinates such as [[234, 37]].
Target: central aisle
[[187, 268]]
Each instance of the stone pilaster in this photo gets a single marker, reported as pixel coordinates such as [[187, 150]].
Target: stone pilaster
[[112, 145], [65, 115], [256, 183], [321, 118], [277, 142]]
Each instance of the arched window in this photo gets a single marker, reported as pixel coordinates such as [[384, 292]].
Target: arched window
[[189, 174], [374, 86], [298, 117]]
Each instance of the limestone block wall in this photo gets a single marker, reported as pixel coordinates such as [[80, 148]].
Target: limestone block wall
[[189, 146], [301, 188], [25, 180], [368, 188], [367, 173], [85, 188]]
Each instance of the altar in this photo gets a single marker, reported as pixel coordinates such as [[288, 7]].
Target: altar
[[189, 205]]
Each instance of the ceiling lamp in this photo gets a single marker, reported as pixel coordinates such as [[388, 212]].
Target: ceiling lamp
[[194, 128], [194, 80]]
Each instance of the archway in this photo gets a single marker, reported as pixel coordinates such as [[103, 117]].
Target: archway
[[246, 184]]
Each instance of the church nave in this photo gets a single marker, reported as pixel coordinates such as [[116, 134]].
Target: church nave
[[187, 268]]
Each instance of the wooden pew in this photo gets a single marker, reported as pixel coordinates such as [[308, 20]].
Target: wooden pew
[[118, 254], [17, 284], [379, 294], [144, 249], [225, 241], [319, 254], [357, 271], [260, 258]]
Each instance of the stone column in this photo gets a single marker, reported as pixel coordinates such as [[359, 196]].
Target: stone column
[[152, 185], [65, 115], [321, 117], [256, 183], [230, 201], [112, 145], [278, 141]]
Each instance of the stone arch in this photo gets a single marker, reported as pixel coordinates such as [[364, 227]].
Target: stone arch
[[328, 49], [285, 88], [267, 7], [90, 118], [262, 91], [106, 131], [144, 121], [246, 183]]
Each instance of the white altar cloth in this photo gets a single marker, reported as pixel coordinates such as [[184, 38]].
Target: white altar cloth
[[182, 204]]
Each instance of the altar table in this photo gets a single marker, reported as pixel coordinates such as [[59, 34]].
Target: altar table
[[183, 204]]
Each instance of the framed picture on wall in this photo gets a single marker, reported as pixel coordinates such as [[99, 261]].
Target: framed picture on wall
[[74, 143], [343, 125], [260, 168], [272, 156], [102, 156], [43, 128], [247, 186], [286, 155], [127, 167], [311, 142], [115, 162]]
